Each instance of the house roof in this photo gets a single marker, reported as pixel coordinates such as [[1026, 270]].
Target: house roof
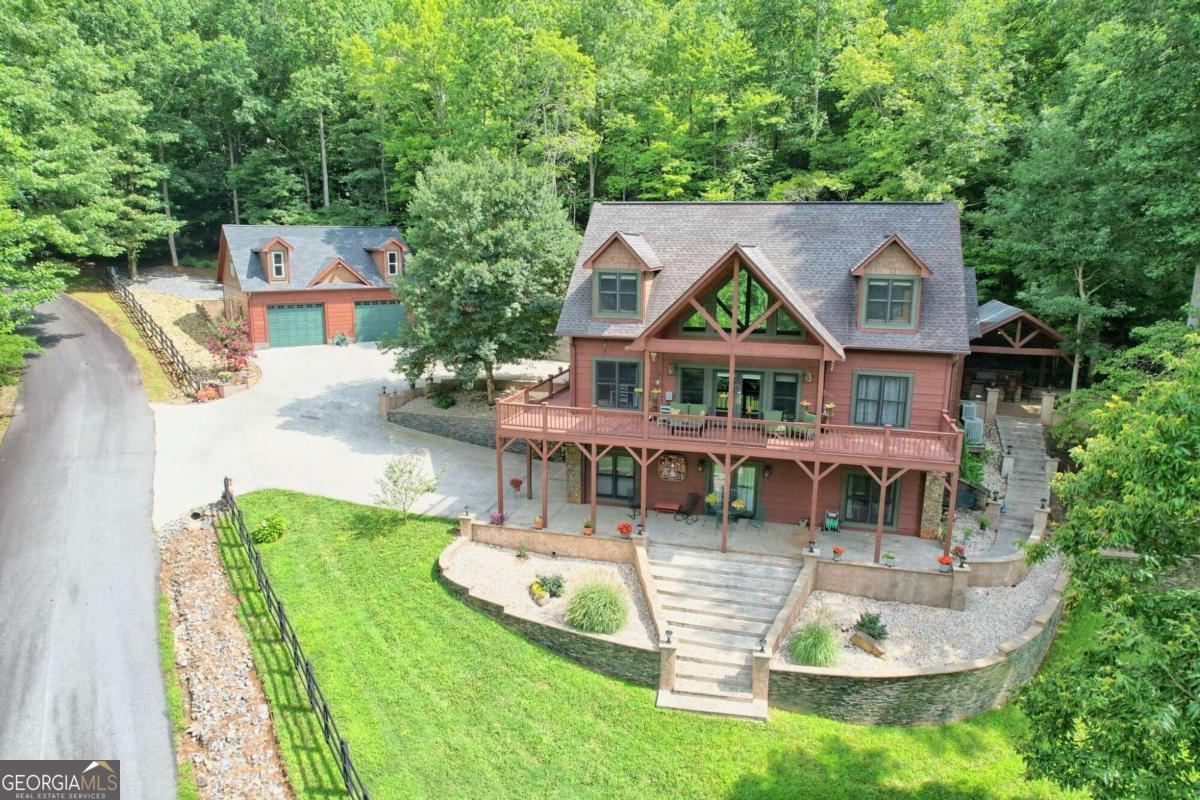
[[314, 248], [995, 314], [810, 247]]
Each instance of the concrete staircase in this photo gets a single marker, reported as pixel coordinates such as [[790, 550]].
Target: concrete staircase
[[1027, 483], [718, 607]]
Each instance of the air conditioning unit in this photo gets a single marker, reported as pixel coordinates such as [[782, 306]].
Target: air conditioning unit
[[968, 409], [973, 430]]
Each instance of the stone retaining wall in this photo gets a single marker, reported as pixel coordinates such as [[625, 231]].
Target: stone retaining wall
[[472, 430], [921, 696], [634, 664]]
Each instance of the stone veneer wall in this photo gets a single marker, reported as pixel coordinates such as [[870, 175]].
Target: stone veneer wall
[[634, 664], [921, 696], [472, 430]]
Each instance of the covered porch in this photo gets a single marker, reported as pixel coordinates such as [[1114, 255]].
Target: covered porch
[[771, 538]]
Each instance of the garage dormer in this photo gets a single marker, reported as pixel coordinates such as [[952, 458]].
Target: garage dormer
[[389, 258], [889, 287], [276, 258], [623, 271]]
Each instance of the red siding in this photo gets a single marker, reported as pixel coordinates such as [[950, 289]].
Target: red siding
[[339, 308], [930, 382], [787, 493]]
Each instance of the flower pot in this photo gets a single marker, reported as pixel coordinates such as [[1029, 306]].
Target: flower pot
[[537, 526], [588, 531], [889, 562], [943, 567], [837, 556]]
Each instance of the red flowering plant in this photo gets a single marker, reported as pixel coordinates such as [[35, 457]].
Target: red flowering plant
[[230, 344], [515, 483], [960, 550], [945, 561], [837, 551], [625, 529]]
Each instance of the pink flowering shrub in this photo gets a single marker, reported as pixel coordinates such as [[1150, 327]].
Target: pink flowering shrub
[[231, 345]]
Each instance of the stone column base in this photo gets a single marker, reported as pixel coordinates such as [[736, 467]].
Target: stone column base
[[574, 470], [931, 505]]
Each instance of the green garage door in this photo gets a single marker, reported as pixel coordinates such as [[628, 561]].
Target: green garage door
[[373, 318], [292, 325]]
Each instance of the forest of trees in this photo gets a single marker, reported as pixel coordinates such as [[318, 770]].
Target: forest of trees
[[1067, 130]]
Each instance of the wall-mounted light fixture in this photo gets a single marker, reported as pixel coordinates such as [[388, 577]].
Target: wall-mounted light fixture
[[1044, 501], [766, 470], [653, 357], [700, 466], [671, 368], [808, 376]]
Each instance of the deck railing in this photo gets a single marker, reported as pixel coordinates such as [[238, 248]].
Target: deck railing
[[531, 412]]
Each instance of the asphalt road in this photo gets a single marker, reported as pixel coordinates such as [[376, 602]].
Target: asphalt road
[[79, 662]]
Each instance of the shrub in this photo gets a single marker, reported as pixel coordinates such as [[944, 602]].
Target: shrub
[[404, 480], [815, 646], [537, 589], [970, 468], [983, 523], [269, 529], [207, 393], [496, 518], [443, 401], [597, 608], [554, 584], [340, 339], [872, 626], [230, 344]]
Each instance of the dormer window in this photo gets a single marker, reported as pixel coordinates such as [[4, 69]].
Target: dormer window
[[617, 293], [393, 263], [890, 302], [278, 265]]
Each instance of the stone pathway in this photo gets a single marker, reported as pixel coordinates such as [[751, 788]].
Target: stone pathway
[[718, 607], [1027, 483]]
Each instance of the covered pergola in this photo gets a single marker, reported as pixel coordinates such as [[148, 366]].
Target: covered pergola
[[1012, 347]]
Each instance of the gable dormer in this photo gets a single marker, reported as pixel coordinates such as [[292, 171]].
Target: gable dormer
[[338, 271], [889, 287], [389, 258], [276, 258], [623, 270]]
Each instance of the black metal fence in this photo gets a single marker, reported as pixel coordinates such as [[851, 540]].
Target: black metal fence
[[183, 374], [338, 746]]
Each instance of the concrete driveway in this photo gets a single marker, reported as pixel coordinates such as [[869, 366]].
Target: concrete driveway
[[311, 425]]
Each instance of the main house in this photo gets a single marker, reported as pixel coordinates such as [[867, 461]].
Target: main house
[[792, 361], [305, 284]]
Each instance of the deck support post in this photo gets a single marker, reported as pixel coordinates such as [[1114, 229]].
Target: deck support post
[[528, 474], [545, 482], [595, 458], [949, 537], [883, 484], [815, 479], [500, 445], [725, 492], [642, 488]]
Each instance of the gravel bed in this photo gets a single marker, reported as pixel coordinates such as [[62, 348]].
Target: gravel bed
[[922, 636], [181, 283], [496, 574], [186, 326], [467, 404]]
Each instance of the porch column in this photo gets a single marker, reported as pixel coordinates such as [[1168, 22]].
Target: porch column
[[545, 483], [950, 514], [725, 492], [595, 458], [815, 478], [646, 394], [645, 472], [500, 474], [883, 482], [820, 407], [528, 474], [729, 398]]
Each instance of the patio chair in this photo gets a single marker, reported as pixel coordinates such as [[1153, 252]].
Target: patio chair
[[760, 516], [687, 511], [770, 429], [832, 522]]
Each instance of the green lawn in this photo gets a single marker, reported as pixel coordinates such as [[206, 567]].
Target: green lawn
[[185, 778], [438, 700]]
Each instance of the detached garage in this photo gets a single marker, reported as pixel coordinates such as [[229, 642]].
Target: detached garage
[[306, 284]]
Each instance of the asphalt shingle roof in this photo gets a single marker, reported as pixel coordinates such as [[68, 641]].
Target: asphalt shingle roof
[[812, 247], [313, 248], [971, 290], [994, 311]]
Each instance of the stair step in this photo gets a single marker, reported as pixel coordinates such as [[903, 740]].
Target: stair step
[[721, 580], [704, 669], [695, 653], [688, 619], [753, 709], [719, 608], [723, 566], [734, 641], [746, 558], [708, 687], [743, 597]]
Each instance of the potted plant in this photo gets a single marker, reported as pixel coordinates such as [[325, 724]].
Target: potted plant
[[738, 505], [539, 593], [589, 527], [838, 551], [960, 550], [983, 523], [888, 558], [515, 483], [625, 529], [829, 409], [712, 498], [538, 523], [945, 563], [497, 518]]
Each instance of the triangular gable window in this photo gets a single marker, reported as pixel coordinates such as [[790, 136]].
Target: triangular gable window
[[753, 300]]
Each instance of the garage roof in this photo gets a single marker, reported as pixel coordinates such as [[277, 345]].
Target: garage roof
[[314, 247]]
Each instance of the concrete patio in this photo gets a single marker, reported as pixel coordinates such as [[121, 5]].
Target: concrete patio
[[775, 539]]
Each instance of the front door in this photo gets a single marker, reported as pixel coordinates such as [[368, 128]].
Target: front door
[[747, 395], [616, 477], [746, 480]]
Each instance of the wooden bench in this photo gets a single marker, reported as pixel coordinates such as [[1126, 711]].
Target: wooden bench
[[666, 508]]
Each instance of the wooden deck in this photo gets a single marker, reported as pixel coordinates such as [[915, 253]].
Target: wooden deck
[[548, 418]]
